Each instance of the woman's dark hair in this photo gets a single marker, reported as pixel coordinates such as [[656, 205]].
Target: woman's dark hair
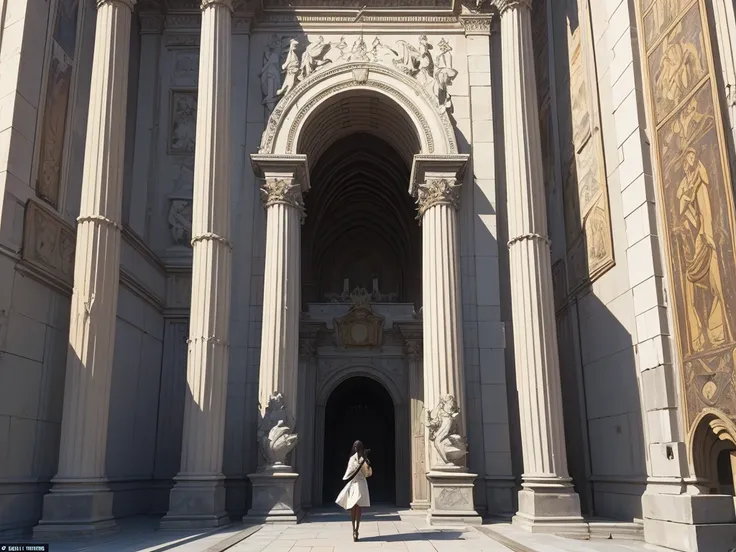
[[358, 448]]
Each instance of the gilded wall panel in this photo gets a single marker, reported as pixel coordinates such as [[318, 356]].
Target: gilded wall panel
[[696, 202], [56, 103], [589, 239]]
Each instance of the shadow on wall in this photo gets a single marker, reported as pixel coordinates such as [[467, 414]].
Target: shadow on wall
[[600, 387]]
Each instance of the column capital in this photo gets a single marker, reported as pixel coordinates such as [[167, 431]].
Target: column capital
[[286, 179], [413, 348], [204, 4], [477, 24], [436, 180], [130, 4], [504, 5], [284, 191]]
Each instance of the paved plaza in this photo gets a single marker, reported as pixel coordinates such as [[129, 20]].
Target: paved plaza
[[330, 531]]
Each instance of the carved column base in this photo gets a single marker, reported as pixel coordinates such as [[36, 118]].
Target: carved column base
[[554, 509], [76, 510], [196, 504], [451, 501], [420, 505], [275, 497]]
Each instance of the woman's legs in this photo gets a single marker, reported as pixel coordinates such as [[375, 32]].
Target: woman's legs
[[357, 519]]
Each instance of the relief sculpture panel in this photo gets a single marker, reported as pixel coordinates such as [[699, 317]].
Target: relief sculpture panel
[[588, 232], [696, 203], [56, 102]]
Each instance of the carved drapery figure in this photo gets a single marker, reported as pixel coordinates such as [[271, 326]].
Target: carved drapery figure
[[270, 74], [707, 318], [416, 62], [444, 76], [314, 57], [180, 220], [442, 424], [291, 68], [276, 438], [679, 70]]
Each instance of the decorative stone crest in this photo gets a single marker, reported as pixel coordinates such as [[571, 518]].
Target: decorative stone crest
[[276, 438], [282, 190], [441, 422], [360, 327], [437, 191]]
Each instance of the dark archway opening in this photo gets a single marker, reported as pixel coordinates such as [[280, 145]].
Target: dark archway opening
[[360, 408]]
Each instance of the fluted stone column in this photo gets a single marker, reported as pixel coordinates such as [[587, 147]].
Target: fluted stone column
[[198, 496], [80, 503], [436, 183], [274, 485], [547, 501], [307, 407]]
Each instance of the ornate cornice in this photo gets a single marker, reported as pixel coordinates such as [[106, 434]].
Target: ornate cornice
[[282, 191], [477, 24], [437, 191], [504, 5]]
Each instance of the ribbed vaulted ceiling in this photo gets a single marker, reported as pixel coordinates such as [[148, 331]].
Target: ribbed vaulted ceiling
[[361, 220]]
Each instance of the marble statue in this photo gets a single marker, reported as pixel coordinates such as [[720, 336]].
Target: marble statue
[[442, 424], [276, 438]]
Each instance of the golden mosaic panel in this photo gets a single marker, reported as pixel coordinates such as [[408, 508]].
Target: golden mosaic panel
[[696, 201]]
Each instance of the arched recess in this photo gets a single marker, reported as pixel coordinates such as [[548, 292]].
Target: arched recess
[[712, 439], [401, 428]]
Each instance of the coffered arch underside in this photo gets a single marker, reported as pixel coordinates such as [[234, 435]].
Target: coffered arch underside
[[289, 129]]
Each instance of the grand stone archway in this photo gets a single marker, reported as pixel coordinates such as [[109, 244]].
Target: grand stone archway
[[386, 111]]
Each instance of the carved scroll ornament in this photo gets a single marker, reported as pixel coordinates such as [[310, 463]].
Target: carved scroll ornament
[[441, 422], [276, 438], [504, 5], [437, 191]]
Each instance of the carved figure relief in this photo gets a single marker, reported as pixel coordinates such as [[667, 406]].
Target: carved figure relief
[[186, 68], [678, 64], [54, 125], [588, 232], [697, 203], [183, 126], [280, 76], [276, 438], [180, 204], [451, 447], [49, 242]]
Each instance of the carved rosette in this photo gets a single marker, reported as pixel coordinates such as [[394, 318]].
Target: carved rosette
[[285, 191], [504, 5], [437, 191], [276, 437], [451, 447]]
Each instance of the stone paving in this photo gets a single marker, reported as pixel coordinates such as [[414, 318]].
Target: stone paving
[[378, 531], [330, 531]]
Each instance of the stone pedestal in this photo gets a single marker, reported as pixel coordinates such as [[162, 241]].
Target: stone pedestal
[[80, 503], [198, 497], [452, 498], [548, 501], [276, 497]]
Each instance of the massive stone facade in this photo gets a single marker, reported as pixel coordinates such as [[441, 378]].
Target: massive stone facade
[[510, 221]]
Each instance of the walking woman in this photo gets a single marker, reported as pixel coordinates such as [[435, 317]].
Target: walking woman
[[354, 495]]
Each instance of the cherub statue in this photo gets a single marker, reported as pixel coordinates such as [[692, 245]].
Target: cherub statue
[[442, 424], [290, 68], [275, 438]]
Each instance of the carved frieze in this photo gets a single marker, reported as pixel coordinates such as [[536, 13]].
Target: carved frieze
[[49, 242], [358, 4], [286, 63]]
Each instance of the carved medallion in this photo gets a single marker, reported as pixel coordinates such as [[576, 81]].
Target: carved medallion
[[360, 327]]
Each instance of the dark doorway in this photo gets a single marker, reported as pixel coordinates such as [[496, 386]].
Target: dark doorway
[[360, 408]]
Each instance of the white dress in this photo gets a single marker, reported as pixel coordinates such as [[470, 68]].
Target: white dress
[[356, 491]]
